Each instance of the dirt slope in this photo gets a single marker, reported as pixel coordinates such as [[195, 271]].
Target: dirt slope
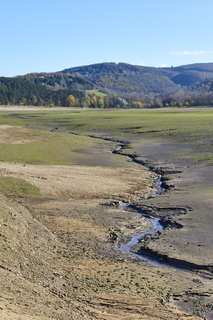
[[63, 267]]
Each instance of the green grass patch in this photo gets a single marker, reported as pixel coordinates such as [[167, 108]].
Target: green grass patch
[[17, 187], [193, 129], [100, 94], [197, 155], [55, 149]]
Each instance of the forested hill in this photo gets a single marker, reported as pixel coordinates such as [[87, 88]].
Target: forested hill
[[60, 81], [124, 79], [190, 74], [20, 91], [106, 85]]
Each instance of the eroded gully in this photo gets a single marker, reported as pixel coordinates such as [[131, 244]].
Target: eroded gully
[[158, 224]]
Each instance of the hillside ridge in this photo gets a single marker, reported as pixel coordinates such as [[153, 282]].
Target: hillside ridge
[[111, 84]]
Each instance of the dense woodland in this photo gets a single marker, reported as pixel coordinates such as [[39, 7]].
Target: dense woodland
[[111, 85], [15, 91]]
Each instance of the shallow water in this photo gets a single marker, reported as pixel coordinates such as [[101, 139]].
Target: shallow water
[[136, 238], [155, 223]]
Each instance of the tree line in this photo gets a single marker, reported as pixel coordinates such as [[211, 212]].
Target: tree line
[[19, 91], [16, 91]]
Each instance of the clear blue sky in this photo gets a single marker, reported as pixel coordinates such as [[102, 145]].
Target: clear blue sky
[[51, 35]]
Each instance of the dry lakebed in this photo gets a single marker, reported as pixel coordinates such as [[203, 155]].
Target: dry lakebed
[[75, 194]]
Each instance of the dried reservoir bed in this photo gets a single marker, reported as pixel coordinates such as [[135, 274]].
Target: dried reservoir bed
[[58, 259]]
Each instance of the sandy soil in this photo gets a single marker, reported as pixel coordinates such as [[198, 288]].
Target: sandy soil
[[17, 135], [81, 182], [65, 266]]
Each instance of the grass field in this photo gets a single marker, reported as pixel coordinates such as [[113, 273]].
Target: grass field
[[191, 128], [54, 148], [100, 94], [182, 125]]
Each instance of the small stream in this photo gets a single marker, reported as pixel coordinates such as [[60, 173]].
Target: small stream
[[136, 238], [156, 227]]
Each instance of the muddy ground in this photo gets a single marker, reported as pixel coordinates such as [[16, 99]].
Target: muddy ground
[[58, 253]]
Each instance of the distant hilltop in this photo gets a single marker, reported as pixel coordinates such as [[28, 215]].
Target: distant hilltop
[[124, 78], [124, 82]]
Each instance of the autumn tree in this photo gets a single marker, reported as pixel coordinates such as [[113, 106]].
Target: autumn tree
[[84, 102], [94, 100], [189, 101], [136, 104], [106, 102], [71, 101]]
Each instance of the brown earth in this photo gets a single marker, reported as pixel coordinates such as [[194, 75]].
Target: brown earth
[[81, 182], [58, 258], [65, 267], [191, 188], [17, 135]]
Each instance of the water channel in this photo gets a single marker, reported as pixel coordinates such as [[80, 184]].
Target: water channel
[[156, 227]]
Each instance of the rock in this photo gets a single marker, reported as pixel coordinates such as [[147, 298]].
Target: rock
[[113, 237]]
